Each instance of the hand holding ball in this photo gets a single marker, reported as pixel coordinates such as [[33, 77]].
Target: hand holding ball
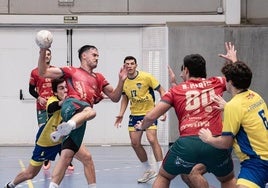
[[44, 39]]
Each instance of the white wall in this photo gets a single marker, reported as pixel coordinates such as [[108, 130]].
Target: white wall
[[19, 55]]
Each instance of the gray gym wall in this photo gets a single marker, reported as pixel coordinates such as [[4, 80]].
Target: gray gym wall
[[252, 11], [251, 43]]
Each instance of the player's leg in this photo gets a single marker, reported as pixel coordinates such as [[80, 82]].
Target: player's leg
[[71, 166], [196, 179], [135, 138], [76, 121], [163, 179], [39, 155], [61, 166], [149, 173], [74, 113], [228, 181], [85, 157], [29, 173], [70, 146], [153, 140]]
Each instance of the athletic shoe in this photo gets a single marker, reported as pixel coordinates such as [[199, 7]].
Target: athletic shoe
[[149, 174], [71, 167], [63, 129], [55, 136], [46, 165], [7, 186]]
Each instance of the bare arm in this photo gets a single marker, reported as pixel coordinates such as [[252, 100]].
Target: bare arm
[[172, 77], [115, 94], [221, 142], [44, 69], [162, 91], [123, 107]]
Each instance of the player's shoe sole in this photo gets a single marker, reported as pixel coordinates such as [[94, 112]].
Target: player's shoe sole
[[55, 136], [63, 129], [148, 175]]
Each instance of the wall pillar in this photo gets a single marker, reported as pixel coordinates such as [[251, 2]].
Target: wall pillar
[[232, 12]]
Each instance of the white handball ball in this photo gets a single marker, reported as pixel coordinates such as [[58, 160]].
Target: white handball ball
[[44, 38]]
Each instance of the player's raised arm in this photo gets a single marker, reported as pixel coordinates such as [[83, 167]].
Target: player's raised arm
[[44, 40], [230, 52]]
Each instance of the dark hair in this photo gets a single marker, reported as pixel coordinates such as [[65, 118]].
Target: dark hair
[[239, 73], [130, 58], [196, 65], [48, 63], [48, 50], [83, 49], [55, 83]]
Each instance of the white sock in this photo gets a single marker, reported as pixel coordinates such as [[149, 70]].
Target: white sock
[[72, 123], [93, 185], [11, 184], [145, 165], [53, 185], [159, 163]]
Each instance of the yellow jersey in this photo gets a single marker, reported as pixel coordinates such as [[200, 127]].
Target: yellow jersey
[[245, 118], [140, 92], [43, 135]]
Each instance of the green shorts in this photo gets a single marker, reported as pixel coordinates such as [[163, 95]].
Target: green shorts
[[41, 117], [70, 107], [188, 151]]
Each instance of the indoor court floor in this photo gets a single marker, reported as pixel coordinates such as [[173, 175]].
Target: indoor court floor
[[116, 167]]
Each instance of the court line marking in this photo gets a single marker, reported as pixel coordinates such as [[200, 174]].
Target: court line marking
[[70, 173]]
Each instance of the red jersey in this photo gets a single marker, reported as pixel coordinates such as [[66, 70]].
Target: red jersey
[[43, 87], [84, 86], [193, 105]]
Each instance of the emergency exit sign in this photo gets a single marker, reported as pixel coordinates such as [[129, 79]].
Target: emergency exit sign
[[70, 19]]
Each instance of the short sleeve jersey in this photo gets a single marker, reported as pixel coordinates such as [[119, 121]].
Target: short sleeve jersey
[[245, 118], [43, 87], [140, 92], [192, 101], [43, 135], [84, 86]]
